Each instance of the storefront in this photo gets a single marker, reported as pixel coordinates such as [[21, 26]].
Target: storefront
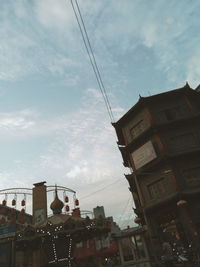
[[133, 248]]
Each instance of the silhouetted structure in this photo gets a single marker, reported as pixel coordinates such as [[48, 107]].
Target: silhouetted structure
[[159, 139]]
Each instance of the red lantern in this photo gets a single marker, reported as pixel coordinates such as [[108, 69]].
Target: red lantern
[[23, 202], [13, 202], [76, 202], [4, 202], [21, 221], [22, 211], [2, 211], [13, 211], [67, 208], [77, 212], [137, 220], [66, 199]]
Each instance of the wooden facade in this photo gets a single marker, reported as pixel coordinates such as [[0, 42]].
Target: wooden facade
[[159, 139]]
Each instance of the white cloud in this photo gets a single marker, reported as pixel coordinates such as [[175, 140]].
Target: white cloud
[[60, 63], [82, 153], [44, 39], [77, 171], [57, 14], [193, 69], [14, 123]]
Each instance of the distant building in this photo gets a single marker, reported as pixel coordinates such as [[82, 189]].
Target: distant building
[[99, 212], [27, 240], [159, 139], [133, 250], [11, 221]]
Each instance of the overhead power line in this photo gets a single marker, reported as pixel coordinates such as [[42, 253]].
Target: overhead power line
[[124, 210], [92, 58], [101, 189]]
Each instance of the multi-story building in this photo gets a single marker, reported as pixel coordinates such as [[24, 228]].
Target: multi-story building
[[100, 247], [159, 139], [11, 221]]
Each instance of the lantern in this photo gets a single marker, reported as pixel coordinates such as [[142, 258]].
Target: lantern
[[76, 202], [181, 203], [21, 220], [13, 202], [137, 220], [4, 202], [2, 211], [13, 211], [66, 199], [67, 208], [76, 212], [22, 211], [23, 202]]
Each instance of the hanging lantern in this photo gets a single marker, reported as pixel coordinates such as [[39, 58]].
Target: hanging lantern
[[23, 202], [13, 202], [4, 202], [76, 212], [67, 208], [13, 211], [137, 220], [66, 199], [181, 203], [22, 211], [21, 220], [76, 202], [3, 211]]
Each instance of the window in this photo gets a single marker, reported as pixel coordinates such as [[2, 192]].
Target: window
[[137, 129], [127, 249], [138, 247], [156, 189]]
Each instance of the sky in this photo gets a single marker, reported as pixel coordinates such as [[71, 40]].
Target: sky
[[54, 126]]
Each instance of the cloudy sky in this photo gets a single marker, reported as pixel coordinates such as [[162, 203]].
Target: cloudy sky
[[53, 121]]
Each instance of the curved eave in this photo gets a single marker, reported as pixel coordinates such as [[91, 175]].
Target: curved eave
[[119, 133], [124, 156], [187, 90]]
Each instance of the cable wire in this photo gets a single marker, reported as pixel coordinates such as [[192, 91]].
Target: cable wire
[[91, 55], [94, 59], [129, 199], [101, 189]]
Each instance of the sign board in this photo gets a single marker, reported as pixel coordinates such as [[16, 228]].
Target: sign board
[[143, 155], [7, 231], [39, 216]]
